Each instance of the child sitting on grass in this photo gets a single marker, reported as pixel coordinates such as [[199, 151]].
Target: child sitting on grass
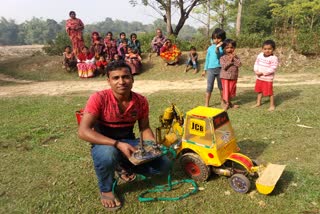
[[230, 64], [192, 60], [264, 68], [101, 66], [69, 59]]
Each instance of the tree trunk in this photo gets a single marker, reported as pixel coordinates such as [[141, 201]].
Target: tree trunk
[[238, 23], [168, 16], [209, 17]]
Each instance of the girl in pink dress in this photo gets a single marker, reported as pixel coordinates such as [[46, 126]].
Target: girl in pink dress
[[86, 65]]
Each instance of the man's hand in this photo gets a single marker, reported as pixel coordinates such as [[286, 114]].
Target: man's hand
[[126, 149]]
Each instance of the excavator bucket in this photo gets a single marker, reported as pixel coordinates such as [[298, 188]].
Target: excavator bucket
[[269, 178]]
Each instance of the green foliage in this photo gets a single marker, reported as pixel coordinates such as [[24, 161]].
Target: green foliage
[[57, 46], [308, 43], [9, 32], [249, 40]]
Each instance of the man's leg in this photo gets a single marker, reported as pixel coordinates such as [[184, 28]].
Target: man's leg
[[105, 159]]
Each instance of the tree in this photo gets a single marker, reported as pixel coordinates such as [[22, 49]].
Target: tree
[[238, 22], [164, 8], [214, 11], [8, 32]]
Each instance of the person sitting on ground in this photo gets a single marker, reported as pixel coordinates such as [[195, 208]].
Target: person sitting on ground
[[170, 53], [123, 49], [122, 36], [69, 59], [107, 123], [101, 66], [157, 42], [192, 60], [134, 61], [110, 47], [86, 65], [134, 43], [97, 45]]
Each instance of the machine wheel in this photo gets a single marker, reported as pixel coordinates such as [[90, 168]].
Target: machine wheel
[[240, 183], [194, 167]]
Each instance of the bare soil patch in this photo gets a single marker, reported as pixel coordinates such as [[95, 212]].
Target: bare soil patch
[[53, 88]]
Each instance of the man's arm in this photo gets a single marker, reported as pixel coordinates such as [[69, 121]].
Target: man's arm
[[145, 129], [85, 132]]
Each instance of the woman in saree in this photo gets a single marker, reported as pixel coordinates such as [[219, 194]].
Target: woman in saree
[[110, 47], [74, 28], [170, 53], [86, 63]]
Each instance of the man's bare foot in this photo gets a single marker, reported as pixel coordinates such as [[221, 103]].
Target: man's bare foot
[[256, 105], [109, 200], [271, 108], [195, 71]]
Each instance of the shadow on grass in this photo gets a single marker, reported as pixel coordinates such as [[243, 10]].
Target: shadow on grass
[[147, 65], [249, 95], [252, 149], [283, 183], [245, 96], [284, 96]]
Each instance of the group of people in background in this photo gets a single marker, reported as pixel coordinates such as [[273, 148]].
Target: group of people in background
[[223, 65], [92, 61]]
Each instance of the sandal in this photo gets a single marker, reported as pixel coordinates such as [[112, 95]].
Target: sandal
[[125, 177], [111, 198]]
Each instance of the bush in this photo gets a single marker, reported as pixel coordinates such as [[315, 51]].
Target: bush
[[308, 43], [56, 47]]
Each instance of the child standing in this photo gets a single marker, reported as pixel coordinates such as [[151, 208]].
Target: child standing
[[192, 60], [264, 68], [230, 64], [212, 65]]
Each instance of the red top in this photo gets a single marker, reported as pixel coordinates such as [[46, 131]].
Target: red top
[[101, 63], [111, 122], [83, 57]]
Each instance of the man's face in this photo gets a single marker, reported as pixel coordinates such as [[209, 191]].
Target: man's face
[[121, 81], [159, 33]]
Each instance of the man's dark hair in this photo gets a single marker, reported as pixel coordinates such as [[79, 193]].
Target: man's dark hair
[[72, 12], [229, 41], [219, 34], [122, 33], [116, 65], [67, 46], [269, 42]]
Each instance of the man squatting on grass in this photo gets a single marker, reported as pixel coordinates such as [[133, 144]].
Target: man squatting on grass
[[108, 122]]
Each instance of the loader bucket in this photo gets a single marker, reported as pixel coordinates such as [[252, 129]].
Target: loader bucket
[[269, 178]]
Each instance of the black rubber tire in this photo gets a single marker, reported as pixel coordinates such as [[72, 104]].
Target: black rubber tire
[[240, 183], [194, 167]]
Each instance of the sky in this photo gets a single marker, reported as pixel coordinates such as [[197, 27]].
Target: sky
[[89, 11]]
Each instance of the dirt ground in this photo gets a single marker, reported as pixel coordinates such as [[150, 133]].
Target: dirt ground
[[24, 87]]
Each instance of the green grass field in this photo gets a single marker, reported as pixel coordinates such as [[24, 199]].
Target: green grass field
[[45, 168]]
